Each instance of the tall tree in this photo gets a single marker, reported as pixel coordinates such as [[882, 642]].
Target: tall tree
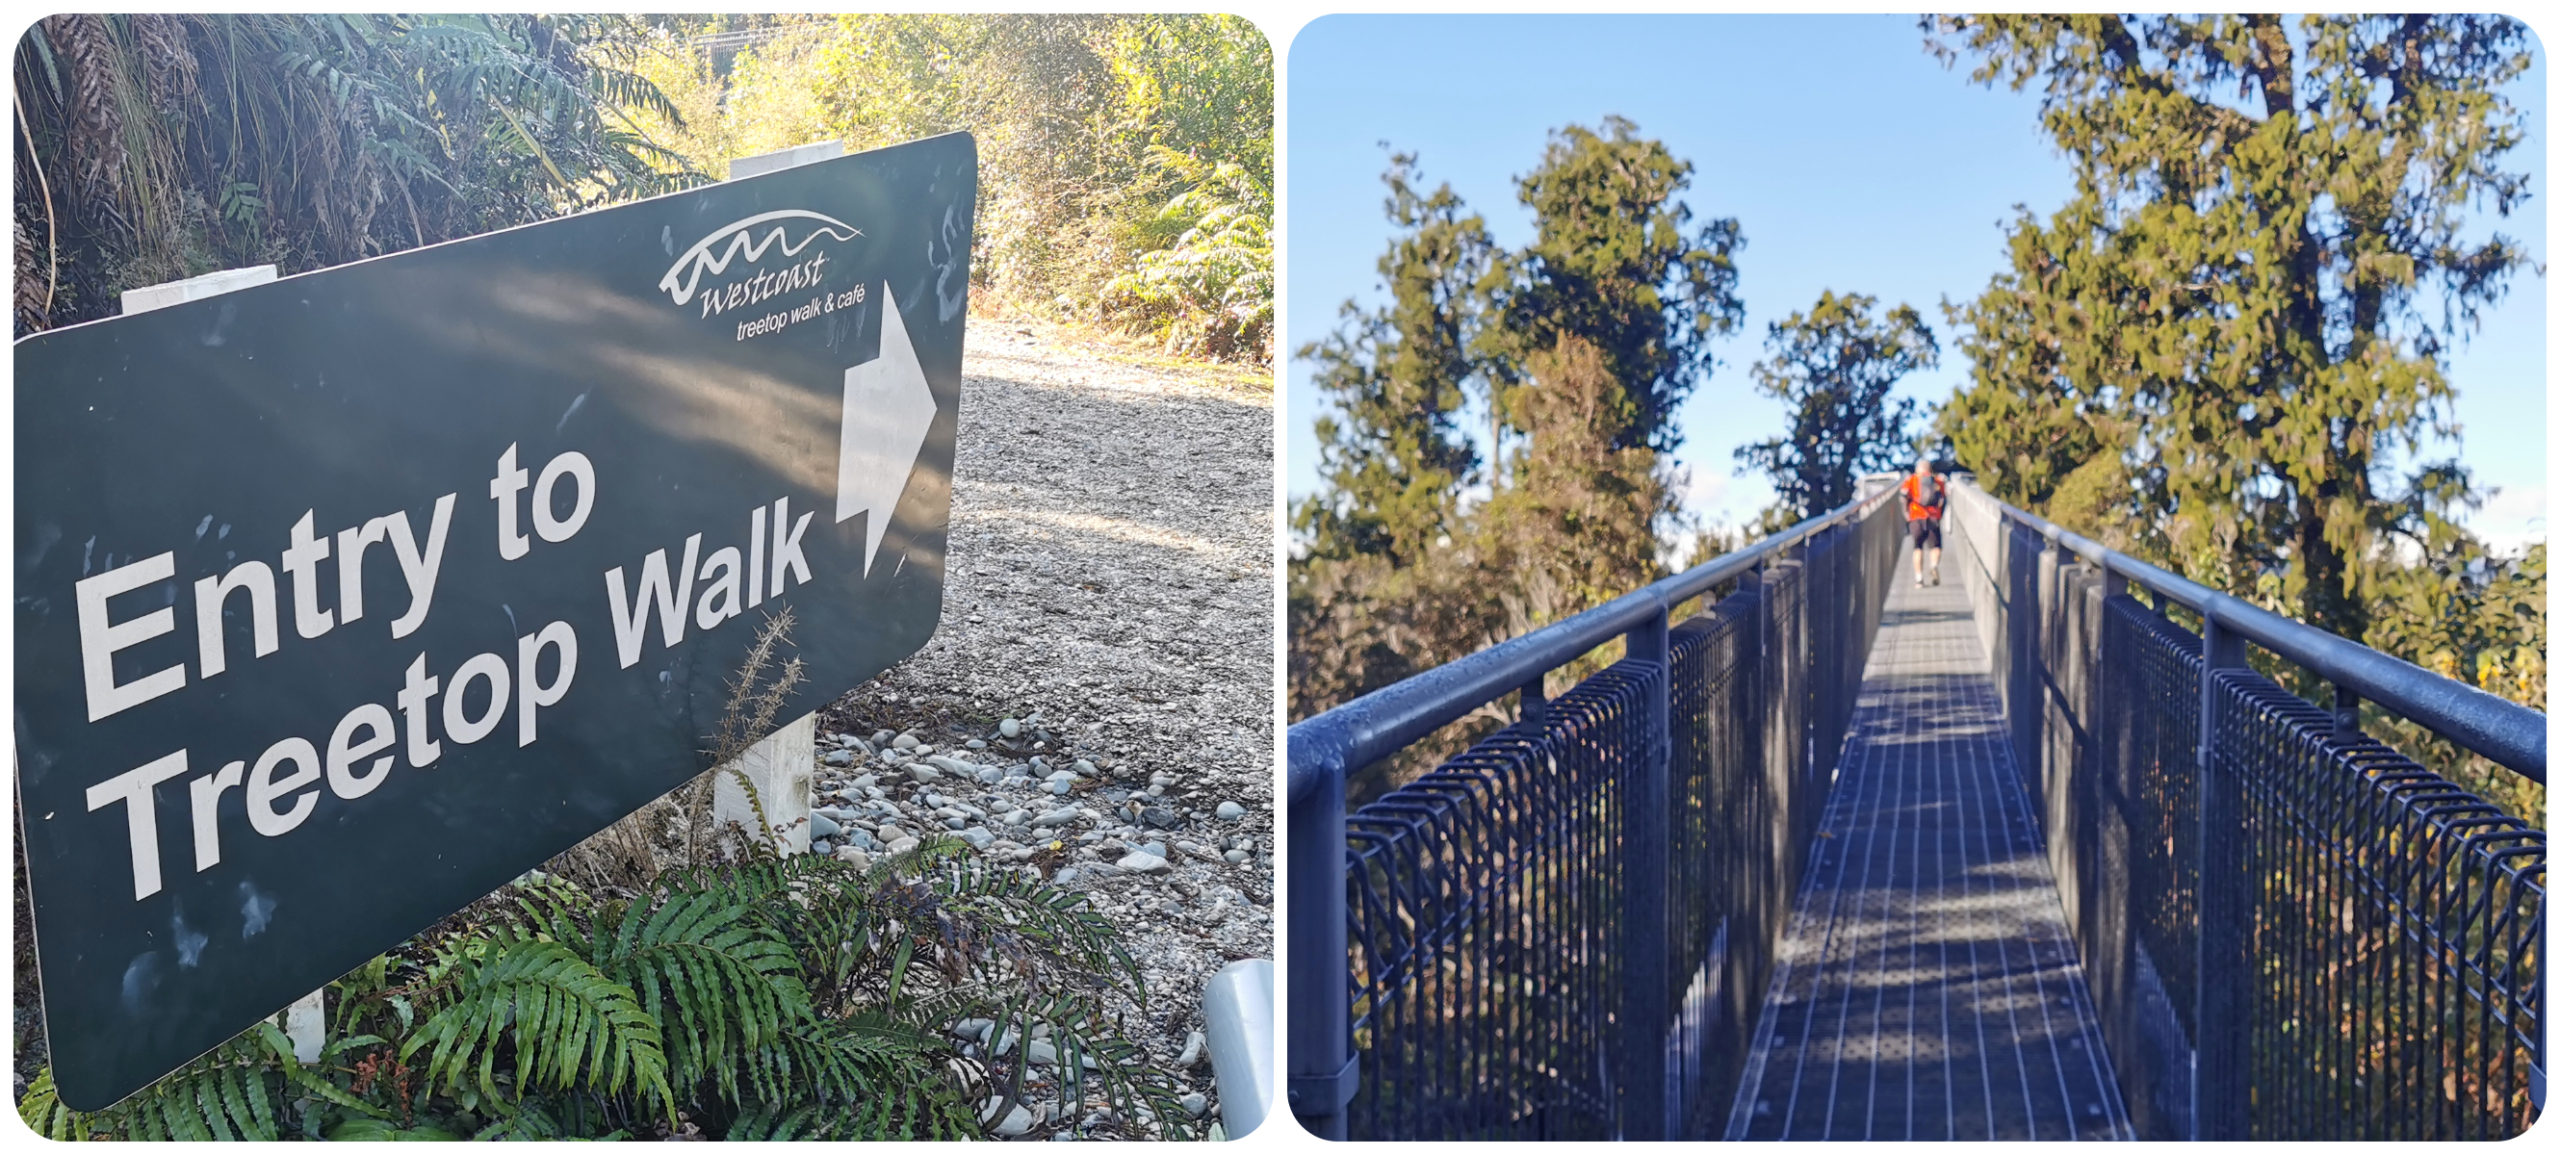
[[2251, 291], [1616, 264], [1392, 456], [1835, 368], [1581, 344]]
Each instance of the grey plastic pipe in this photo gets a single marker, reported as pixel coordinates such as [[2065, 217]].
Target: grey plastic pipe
[[1238, 1007]]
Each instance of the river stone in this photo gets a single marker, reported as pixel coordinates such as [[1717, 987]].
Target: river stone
[[821, 825], [840, 758], [1010, 728], [978, 837], [1141, 862], [1231, 810], [906, 742]]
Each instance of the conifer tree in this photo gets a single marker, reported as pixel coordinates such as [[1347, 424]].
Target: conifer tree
[[2242, 313], [1392, 455], [1615, 263], [1835, 368]]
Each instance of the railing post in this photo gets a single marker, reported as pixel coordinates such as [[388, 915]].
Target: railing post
[[2346, 712], [1323, 1073], [1533, 699], [2224, 981], [1644, 1011]]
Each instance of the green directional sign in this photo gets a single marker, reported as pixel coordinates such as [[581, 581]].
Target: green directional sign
[[343, 599]]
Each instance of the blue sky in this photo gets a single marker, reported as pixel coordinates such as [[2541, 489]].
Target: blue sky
[[1853, 159]]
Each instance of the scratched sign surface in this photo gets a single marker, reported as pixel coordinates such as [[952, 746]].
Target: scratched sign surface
[[343, 599]]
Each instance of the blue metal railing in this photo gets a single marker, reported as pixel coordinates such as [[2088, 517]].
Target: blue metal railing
[[1509, 919], [2293, 931]]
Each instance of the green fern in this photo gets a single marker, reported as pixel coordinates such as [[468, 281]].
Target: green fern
[[565, 1025], [239, 1090], [722, 986]]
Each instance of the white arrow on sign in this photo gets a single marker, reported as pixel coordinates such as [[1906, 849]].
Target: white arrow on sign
[[887, 409]]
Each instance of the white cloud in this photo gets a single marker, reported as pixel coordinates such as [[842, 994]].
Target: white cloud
[[1702, 490], [2515, 518]]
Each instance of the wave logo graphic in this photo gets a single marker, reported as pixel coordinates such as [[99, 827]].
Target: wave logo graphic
[[712, 254]]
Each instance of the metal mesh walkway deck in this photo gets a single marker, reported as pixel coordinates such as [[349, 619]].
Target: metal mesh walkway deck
[[1926, 986]]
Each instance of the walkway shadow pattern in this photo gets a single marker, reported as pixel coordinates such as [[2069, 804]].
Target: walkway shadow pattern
[[1926, 986]]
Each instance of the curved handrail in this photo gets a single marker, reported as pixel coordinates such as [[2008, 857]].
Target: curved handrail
[[2511, 735], [1370, 727]]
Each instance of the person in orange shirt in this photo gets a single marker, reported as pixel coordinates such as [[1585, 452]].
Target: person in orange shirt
[[1924, 505]]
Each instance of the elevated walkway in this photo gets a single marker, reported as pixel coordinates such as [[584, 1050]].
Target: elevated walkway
[[1926, 986]]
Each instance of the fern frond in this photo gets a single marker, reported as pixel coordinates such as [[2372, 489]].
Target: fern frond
[[230, 1092], [567, 1026], [721, 984]]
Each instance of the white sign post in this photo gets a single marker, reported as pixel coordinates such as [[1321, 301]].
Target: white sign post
[[783, 767]]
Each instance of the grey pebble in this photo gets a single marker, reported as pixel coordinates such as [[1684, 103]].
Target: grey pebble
[[1231, 810]]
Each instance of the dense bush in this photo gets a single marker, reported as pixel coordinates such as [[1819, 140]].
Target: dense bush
[[1125, 161], [157, 147]]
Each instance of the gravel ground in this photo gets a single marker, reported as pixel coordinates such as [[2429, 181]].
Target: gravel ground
[[1108, 595]]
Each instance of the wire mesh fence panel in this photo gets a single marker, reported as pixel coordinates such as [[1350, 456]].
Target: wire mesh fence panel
[[1724, 887], [2158, 664], [1483, 911], [2396, 946]]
